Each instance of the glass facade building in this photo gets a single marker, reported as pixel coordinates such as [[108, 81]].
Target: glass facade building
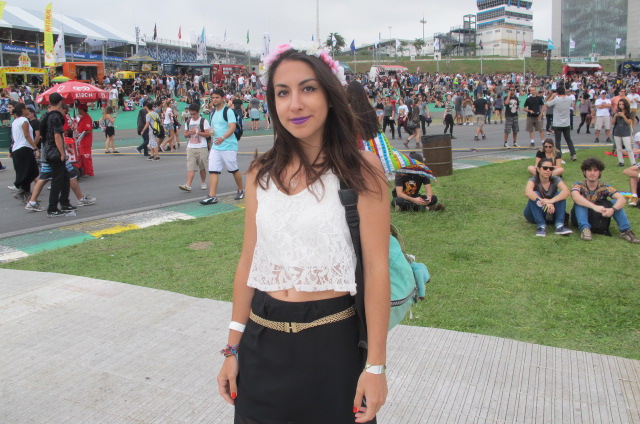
[[594, 26]]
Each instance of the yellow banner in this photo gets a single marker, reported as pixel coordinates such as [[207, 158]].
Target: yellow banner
[[49, 55], [2, 5]]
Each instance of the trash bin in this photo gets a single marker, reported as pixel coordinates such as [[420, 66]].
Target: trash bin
[[5, 137], [436, 150]]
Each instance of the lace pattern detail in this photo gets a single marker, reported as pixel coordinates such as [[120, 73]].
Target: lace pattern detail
[[303, 241]]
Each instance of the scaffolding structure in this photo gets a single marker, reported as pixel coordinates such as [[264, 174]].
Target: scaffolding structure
[[460, 40]]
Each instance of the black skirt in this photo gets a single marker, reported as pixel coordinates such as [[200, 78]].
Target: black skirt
[[308, 377]]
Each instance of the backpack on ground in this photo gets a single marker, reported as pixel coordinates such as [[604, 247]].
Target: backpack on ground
[[407, 277], [239, 128], [599, 224], [156, 127]]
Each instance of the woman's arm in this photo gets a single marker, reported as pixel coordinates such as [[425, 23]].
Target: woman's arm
[[242, 294], [530, 192], [373, 208], [564, 193]]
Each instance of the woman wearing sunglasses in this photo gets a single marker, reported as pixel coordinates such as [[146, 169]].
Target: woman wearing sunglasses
[[549, 151], [547, 199]]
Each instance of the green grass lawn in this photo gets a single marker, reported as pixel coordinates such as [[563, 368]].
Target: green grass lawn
[[490, 274]]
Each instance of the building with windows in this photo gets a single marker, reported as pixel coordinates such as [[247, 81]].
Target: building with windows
[[505, 27], [591, 27]]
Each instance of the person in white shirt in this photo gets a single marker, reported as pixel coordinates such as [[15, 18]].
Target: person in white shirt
[[113, 98], [603, 116], [22, 152], [634, 98], [196, 130]]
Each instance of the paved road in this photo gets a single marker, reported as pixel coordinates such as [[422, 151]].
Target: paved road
[[128, 183]]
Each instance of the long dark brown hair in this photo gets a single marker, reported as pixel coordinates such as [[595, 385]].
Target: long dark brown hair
[[339, 151], [627, 111], [364, 113]]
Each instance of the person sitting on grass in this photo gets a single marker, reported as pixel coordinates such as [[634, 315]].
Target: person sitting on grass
[[407, 197], [633, 172], [548, 150], [588, 193], [547, 195]]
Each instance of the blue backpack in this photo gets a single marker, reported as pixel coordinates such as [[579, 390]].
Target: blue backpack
[[239, 129], [408, 277]]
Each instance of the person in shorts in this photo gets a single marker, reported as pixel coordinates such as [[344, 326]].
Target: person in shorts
[[603, 116], [45, 176], [224, 148], [534, 106], [151, 118], [197, 151], [480, 106]]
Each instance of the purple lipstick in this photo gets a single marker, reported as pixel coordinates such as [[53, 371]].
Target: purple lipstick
[[300, 121]]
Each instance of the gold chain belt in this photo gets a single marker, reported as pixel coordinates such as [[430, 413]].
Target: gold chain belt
[[295, 327]]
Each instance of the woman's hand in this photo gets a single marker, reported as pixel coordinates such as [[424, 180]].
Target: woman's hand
[[373, 388], [227, 379], [551, 208]]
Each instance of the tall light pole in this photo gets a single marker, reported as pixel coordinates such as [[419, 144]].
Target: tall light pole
[[423, 21]]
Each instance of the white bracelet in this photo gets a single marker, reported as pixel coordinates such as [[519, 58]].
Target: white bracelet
[[237, 326]]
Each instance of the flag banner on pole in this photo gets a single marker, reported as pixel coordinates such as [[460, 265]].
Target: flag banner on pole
[[266, 41], [550, 45], [333, 40], [524, 46], [353, 46], [398, 44], [224, 37], [201, 51], [593, 44], [2, 5], [481, 46], [436, 44], [155, 31], [49, 55], [180, 33], [247, 36], [572, 43], [618, 43], [58, 49]]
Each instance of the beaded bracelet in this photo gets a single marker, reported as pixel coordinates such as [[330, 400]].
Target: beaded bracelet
[[230, 351]]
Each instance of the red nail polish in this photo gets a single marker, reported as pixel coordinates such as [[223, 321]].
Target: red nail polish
[[234, 395], [355, 409]]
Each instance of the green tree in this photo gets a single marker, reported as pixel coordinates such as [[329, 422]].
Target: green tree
[[419, 45], [340, 43]]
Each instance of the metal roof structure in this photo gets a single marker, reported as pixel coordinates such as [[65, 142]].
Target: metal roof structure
[[32, 20]]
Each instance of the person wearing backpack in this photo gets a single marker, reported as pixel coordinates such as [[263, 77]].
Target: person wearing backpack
[[224, 148], [156, 130], [142, 120], [593, 194], [196, 130]]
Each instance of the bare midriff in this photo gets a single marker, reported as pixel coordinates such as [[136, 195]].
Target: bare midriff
[[292, 295]]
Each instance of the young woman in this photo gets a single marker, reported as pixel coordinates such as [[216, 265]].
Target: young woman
[[297, 262], [109, 130], [622, 124], [498, 104], [548, 150], [447, 117], [424, 112], [389, 117], [169, 127], [415, 118], [547, 196], [585, 112], [379, 110], [403, 115]]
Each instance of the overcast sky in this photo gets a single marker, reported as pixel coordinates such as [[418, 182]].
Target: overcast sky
[[284, 20]]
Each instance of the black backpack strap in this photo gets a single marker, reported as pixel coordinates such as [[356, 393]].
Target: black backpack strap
[[349, 199], [201, 124], [224, 114]]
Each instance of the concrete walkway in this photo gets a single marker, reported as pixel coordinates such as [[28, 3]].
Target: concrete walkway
[[79, 350]]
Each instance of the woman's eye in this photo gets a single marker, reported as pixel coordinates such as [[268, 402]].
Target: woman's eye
[[281, 93], [309, 89]]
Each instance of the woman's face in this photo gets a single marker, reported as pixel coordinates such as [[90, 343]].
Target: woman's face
[[620, 105], [301, 102], [546, 168], [548, 148]]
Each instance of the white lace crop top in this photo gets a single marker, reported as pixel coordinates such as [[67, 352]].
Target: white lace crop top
[[303, 241]]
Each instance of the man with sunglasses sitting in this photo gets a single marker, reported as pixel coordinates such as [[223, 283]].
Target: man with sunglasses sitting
[[594, 194]]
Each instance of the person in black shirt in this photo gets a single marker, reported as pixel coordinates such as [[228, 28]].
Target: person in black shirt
[[534, 106], [480, 110], [407, 197], [511, 107], [51, 131]]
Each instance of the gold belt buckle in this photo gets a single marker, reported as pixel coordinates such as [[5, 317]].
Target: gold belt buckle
[[291, 327]]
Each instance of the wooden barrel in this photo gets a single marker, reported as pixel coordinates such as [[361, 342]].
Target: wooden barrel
[[436, 150]]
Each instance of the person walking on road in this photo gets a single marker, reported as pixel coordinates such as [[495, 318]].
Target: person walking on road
[[196, 129], [562, 105], [224, 148]]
